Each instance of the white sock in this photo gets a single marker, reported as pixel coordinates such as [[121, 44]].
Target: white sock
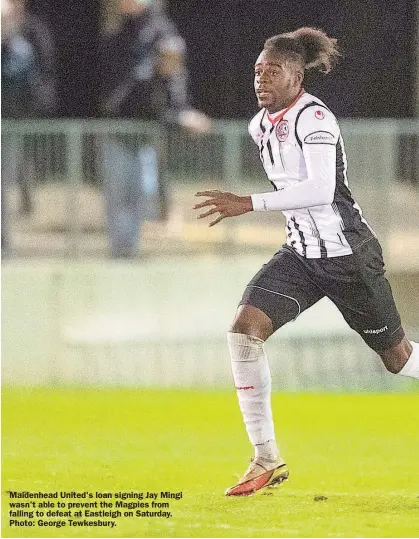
[[252, 378], [411, 367], [268, 450]]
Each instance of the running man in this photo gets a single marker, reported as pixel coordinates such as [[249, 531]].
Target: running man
[[330, 251]]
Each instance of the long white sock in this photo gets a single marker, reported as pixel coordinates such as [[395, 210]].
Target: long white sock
[[252, 378], [411, 367]]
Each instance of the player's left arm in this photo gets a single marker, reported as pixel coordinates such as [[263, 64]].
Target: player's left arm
[[224, 203], [318, 132]]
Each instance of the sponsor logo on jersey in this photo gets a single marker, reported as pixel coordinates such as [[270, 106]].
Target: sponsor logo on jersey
[[282, 130], [319, 114], [375, 331], [320, 137]]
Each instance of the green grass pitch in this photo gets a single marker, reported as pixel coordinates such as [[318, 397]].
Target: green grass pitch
[[357, 455]]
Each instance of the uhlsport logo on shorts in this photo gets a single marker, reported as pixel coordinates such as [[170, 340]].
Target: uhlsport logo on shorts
[[375, 331], [282, 130]]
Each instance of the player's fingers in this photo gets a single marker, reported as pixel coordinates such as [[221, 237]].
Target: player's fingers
[[219, 218], [208, 202], [209, 212]]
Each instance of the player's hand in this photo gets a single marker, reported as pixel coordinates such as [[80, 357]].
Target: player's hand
[[226, 204], [195, 122]]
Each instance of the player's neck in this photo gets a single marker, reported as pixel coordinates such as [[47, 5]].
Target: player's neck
[[286, 103]]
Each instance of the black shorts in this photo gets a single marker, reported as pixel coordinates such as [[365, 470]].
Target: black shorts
[[289, 284]]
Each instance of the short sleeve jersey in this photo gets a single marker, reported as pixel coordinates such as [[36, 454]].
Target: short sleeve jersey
[[335, 229]]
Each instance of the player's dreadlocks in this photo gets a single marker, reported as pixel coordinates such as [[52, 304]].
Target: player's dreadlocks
[[311, 47]]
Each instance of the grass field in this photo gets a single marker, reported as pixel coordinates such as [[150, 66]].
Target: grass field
[[354, 461]]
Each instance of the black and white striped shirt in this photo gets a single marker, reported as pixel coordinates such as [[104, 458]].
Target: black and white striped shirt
[[302, 152]]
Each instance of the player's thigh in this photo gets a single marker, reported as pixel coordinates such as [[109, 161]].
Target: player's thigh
[[366, 300], [281, 289], [378, 323]]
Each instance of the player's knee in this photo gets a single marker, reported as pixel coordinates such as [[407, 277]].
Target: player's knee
[[245, 325], [396, 357], [252, 321], [391, 365]]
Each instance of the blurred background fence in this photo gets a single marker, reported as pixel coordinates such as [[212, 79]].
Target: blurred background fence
[[62, 160], [72, 316]]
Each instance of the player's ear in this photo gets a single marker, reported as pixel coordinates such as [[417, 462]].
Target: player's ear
[[299, 77]]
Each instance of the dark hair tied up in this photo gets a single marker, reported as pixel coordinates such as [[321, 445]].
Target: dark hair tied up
[[313, 47]]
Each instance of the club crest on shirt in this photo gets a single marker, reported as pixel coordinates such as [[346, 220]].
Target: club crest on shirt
[[282, 130], [319, 114]]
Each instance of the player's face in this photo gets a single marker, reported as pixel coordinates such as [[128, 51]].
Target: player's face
[[277, 81]]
